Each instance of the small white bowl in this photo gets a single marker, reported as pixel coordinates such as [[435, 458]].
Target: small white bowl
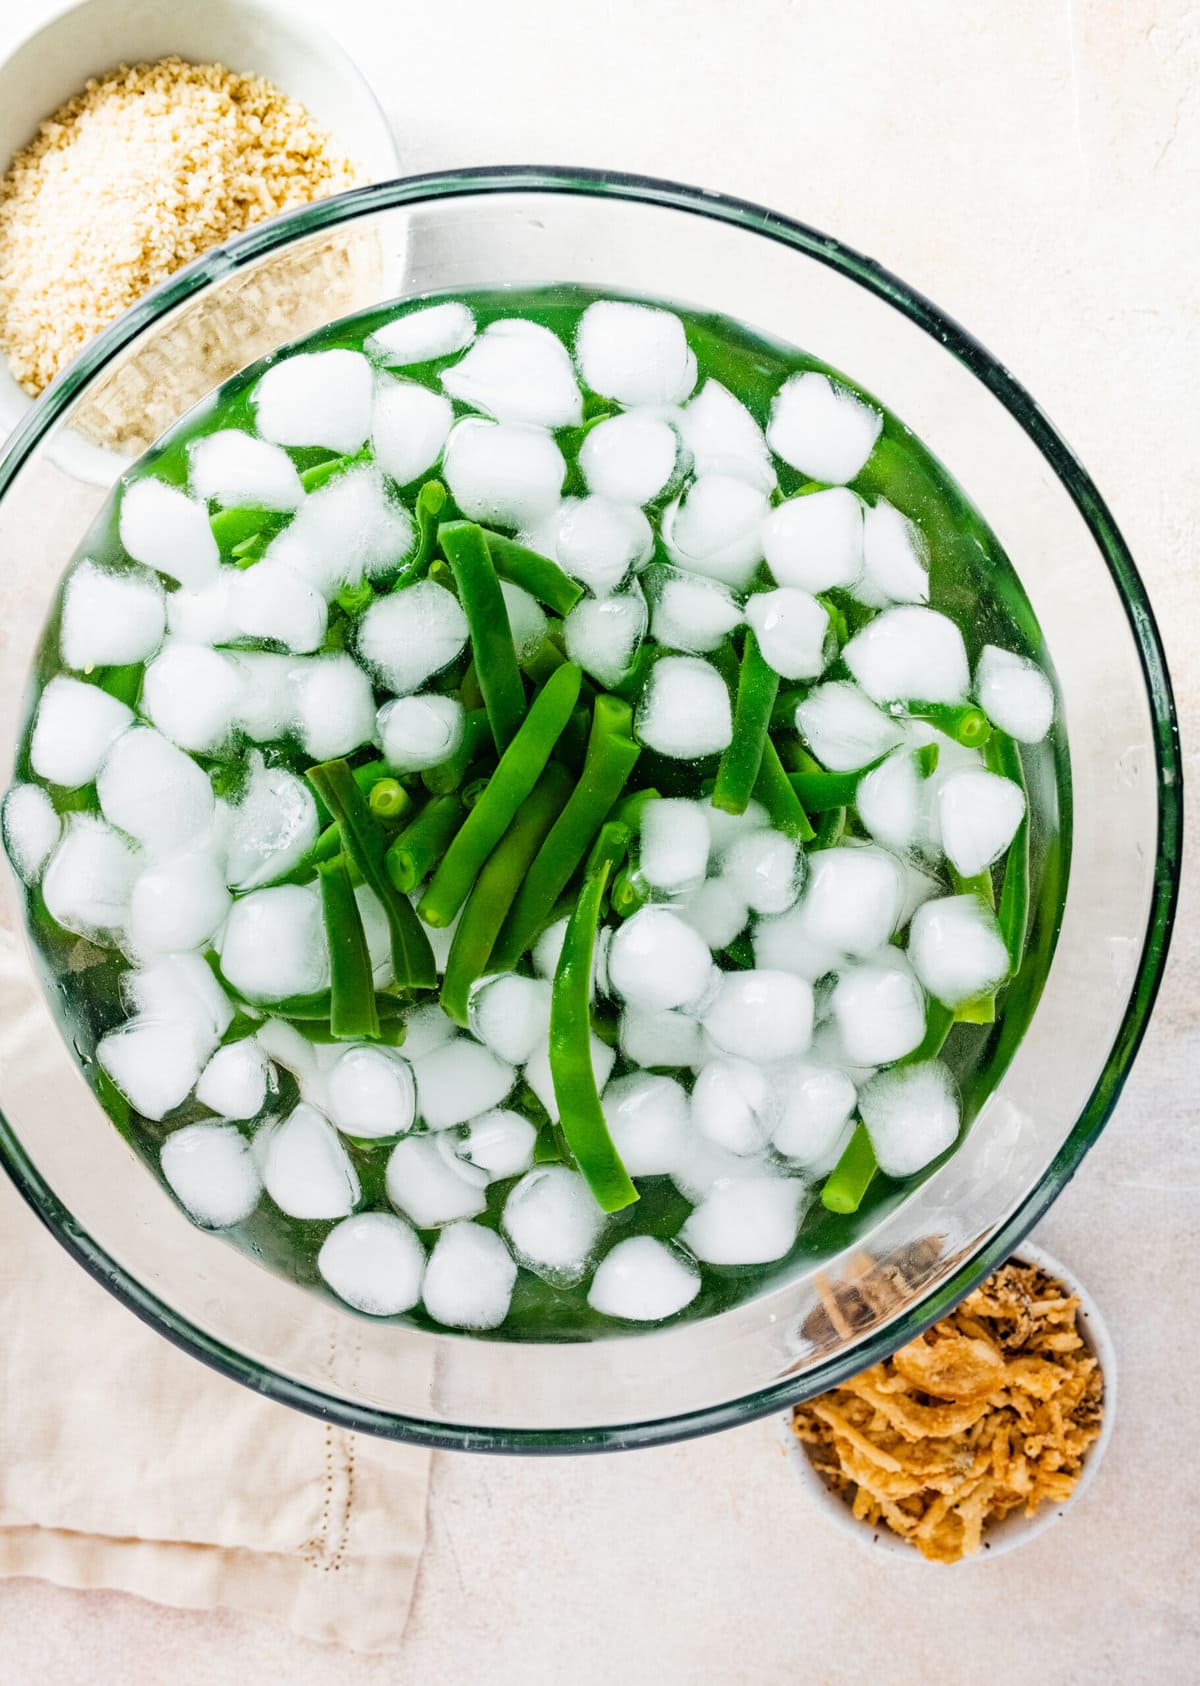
[[280, 43], [1015, 1529]]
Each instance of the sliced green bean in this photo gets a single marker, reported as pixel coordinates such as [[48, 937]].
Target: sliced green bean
[[737, 773], [321, 473], [536, 574], [388, 800], [821, 791], [233, 527], [519, 769], [1012, 915], [476, 741], [492, 645], [965, 723], [422, 843], [629, 892], [351, 983], [775, 791], [851, 1177]]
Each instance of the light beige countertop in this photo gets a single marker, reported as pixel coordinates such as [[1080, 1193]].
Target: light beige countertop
[[1034, 168]]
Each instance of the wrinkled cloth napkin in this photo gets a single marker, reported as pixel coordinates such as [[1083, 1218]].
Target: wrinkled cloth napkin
[[126, 1464]]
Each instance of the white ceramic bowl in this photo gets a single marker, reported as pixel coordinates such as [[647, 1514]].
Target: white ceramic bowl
[[1016, 1529], [278, 42]]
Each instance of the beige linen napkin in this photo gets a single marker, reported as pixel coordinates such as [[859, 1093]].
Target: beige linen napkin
[[126, 1464]]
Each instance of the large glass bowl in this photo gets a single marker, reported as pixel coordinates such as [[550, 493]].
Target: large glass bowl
[[520, 226]]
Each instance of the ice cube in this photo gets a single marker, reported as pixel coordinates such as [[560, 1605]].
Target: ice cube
[[266, 705], [335, 707], [177, 903], [724, 438], [715, 529], [273, 601], [89, 878], [552, 1222], [762, 1015], [430, 1186], [889, 800], [526, 619], [917, 888], [498, 1142], [234, 1082], [371, 1093], [780, 944], [956, 949], [733, 1105], [273, 945], [212, 1173], [909, 652], [315, 398], [517, 371], [436, 330], [110, 618], [658, 961], [418, 732], [74, 726], [180, 989], [725, 828], [374, 1262], [895, 559], [690, 613], [660, 1039], [1014, 693], [684, 712], [511, 1015], [643, 1281], [548, 948], [843, 728], [629, 458], [603, 635], [745, 1220], [469, 1278], [459, 1080], [191, 694], [31, 830], [911, 1115], [349, 528], [674, 844], [409, 428], [378, 936], [232, 468], [205, 616], [792, 629], [763, 871], [598, 542], [154, 791], [879, 1012], [305, 1169], [634, 353], [153, 1062], [501, 473], [412, 634], [815, 542], [308, 1062], [816, 1104], [978, 815], [425, 1029], [647, 1118], [540, 1080], [272, 826], [822, 429], [716, 911], [851, 903], [168, 531]]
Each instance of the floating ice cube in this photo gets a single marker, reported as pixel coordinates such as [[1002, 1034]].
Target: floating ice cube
[[716, 912], [191, 694], [647, 1118], [762, 1015], [273, 601], [212, 1173], [666, 1040], [371, 1093], [425, 1029], [978, 815], [154, 791], [733, 1105], [724, 437], [690, 613], [270, 829], [843, 728], [1014, 693], [511, 1015], [110, 618], [715, 529], [889, 800], [909, 652], [526, 619], [502, 473], [232, 468], [763, 871], [266, 705], [335, 707], [273, 945], [418, 732], [430, 1186], [792, 629], [205, 616], [517, 371], [374, 1262], [634, 353], [956, 949], [168, 531], [643, 1281], [658, 961], [822, 429], [603, 635], [74, 726], [816, 1104], [879, 1013], [674, 844], [180, 989], [747, 1220], [598, 542], [234, 1082], [378, 935], [89, 878], [918, 887], [469, 1278], [815, 542], [498, 1142], [305, 1169], [548, 948], [895, 559], [725, 828], [629, 458], [552, 1222], [540, 1080], [177, 903], [308, 1062], [781, 945], [351, 527], [153, 1062], [411, 634], [459, 1080], [315, 398], [911, 1115], [31, 829], [437, 330], [852, 900], [409, 428], [684, 710]]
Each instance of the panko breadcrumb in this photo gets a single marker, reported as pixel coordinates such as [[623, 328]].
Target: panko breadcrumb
[[147, 168]]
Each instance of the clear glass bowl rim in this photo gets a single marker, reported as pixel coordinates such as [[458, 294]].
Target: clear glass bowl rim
[[867, 273]]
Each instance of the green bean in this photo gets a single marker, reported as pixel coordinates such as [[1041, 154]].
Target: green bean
[[1004, 758], [431, 500], [536, 574], [369, 773], [497, 884], [312, 479], [519, 770], [476, 739], [474, 790], [388, 800], [927, 759], [351, 984], [783, 710], [837, 619], [124, 683], [469, 693], [422, 843], [774, 790], [978, 884], [819, 792], [581, 1116], [629, 892], [831, 828], [365, 845], [542, 660], [629, 809], [441, 573], [572, 746], [487, 618], [739, 767], [851, 1177], [965, 723], [354, 599], [611, 757], [233, 527]]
